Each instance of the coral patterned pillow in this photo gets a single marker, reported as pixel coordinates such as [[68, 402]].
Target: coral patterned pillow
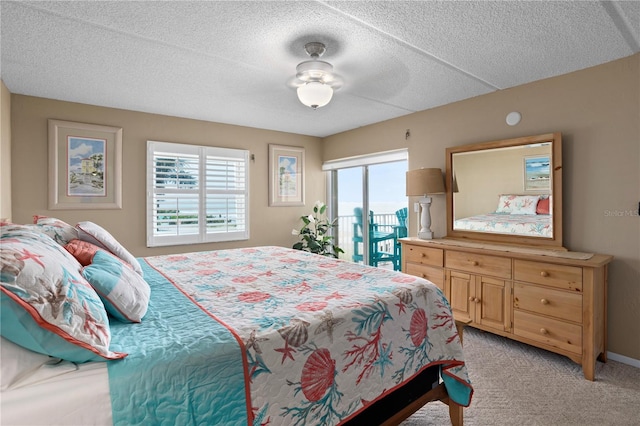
[[543, 206], [82, 251], [46, 304], [57, 229], [518, 204]]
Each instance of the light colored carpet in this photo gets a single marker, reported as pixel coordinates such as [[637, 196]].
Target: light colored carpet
[[517, 384]]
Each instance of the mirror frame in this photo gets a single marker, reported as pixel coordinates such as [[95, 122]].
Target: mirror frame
[[556, 169]]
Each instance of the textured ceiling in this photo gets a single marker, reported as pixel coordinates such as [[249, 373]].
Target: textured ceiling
[[230, 61]]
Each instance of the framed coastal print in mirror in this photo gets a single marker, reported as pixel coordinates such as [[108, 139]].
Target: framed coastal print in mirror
[[286, 175], [85, 166]]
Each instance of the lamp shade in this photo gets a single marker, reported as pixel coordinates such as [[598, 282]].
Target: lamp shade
[[424, 182], [315, 94]]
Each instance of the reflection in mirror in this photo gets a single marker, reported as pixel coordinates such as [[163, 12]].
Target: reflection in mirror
[[507, 191]]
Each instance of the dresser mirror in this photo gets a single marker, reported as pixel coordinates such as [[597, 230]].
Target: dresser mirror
[[506, 191]]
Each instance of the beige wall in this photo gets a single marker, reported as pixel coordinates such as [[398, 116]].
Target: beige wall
[[483, 176], [598, 112], [5, 152], [269, 225]]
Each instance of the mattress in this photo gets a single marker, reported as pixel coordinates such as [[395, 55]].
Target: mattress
[[54, 392]]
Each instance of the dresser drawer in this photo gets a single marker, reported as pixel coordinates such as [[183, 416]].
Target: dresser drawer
[[556, 303], [423, 255], [550, 274], [479, 264], [556, 333], [433, 274]]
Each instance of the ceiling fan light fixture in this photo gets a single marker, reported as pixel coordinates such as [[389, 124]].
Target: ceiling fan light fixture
[[315, 79], [314, 71], [315, 94]]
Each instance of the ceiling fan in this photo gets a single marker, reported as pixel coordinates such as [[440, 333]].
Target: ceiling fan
[[315, 80]]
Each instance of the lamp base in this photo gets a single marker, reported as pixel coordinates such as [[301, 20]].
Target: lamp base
[[425, 235], [425, 232]]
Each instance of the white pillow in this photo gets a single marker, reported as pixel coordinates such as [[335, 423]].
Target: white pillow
[[95, 234]]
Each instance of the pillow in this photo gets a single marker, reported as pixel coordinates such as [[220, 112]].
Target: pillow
[[45, 303], [60, 231], [543, 206], [82, 251], [518, 204], [125, 294], [95, 234]]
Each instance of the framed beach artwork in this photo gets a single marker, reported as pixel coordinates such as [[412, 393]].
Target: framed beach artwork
[[537, 176], [85, 166], [286, 175]]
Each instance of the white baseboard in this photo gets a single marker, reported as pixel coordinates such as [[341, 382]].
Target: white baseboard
[[624, 359]]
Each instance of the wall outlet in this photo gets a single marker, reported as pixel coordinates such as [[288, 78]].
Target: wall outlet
[[416, 207]]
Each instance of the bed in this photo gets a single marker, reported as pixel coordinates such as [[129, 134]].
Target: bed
[[526, 215], [503, 223], [256, 336]]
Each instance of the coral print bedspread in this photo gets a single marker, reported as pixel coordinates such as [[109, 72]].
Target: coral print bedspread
[[304, 339], [521, 224]]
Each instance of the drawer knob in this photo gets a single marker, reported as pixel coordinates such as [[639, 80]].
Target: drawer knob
[[544, 274], [474, 262], [543, 331], [471, 299], [544, 301], [423, 255], [423, 276], [476, 300]]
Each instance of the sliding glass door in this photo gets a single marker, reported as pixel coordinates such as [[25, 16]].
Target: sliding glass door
[[376, 187]]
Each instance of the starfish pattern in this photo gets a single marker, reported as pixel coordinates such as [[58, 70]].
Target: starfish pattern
[[287, 352], [384, 359], [35, 257], [253, 342], [328, 323]]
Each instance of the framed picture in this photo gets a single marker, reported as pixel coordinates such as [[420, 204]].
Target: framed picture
[[537, 175], [85, 166], [286, 175]]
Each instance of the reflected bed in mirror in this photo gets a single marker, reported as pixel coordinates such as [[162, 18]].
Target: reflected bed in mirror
[[507, 191]]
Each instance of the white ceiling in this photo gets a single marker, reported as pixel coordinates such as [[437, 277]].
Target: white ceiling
[[230, 61]]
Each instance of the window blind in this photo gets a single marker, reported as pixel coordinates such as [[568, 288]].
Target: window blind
[[196, 194]]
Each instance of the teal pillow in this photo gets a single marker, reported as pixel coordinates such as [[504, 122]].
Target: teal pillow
[[125, 293], [46, 304]]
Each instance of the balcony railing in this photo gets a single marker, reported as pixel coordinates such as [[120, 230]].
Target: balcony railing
[[385, 221]]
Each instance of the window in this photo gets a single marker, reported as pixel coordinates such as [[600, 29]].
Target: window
[[196, 194]]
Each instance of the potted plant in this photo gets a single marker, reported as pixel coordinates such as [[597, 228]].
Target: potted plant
[[314, 234]]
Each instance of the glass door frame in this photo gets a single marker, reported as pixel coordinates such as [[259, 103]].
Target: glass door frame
[[333, 167]]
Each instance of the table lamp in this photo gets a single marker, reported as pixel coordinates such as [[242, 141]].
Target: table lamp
[[422, 182]]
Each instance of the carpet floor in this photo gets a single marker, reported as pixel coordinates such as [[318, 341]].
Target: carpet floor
[[516, 384]]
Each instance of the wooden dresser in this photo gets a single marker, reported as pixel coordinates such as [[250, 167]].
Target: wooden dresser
[[555, 300]]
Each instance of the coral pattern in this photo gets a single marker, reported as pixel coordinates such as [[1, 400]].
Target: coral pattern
[[321, 336]]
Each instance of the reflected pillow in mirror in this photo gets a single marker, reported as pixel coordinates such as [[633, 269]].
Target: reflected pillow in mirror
[[518, 204], [543, 206]]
